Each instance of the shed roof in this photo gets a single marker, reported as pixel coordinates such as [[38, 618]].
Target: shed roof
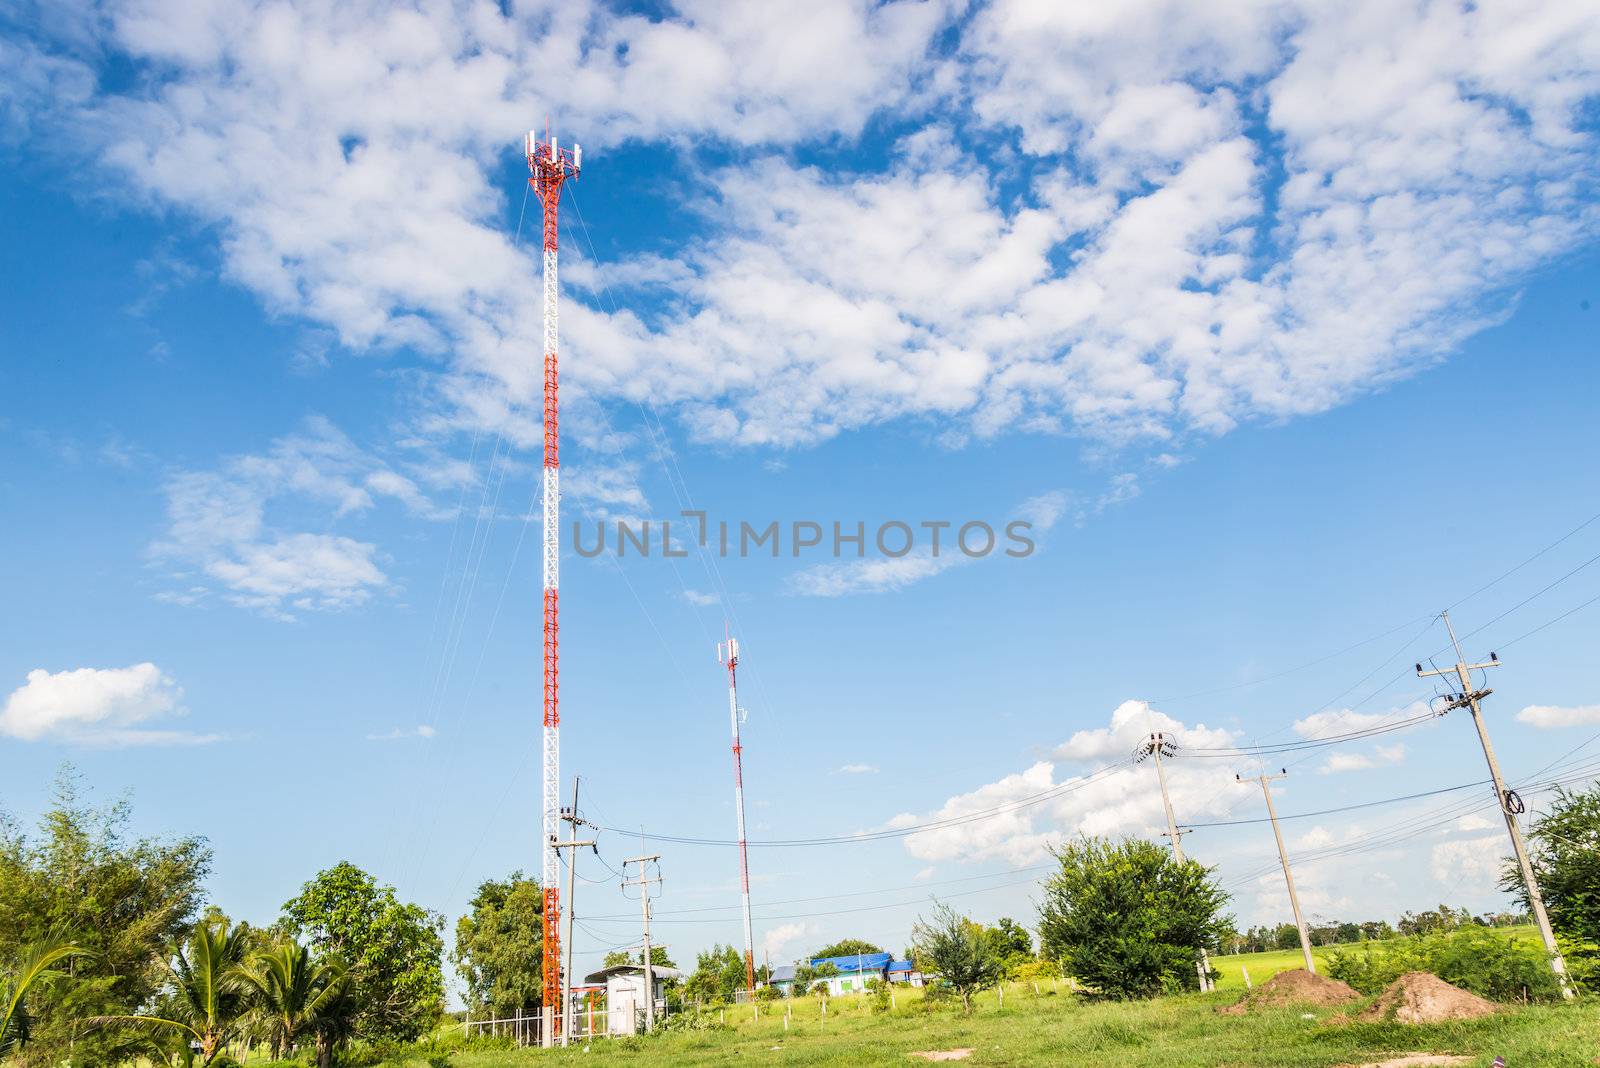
[[783, 973], [902, 966], [631, 969], [863, 962]]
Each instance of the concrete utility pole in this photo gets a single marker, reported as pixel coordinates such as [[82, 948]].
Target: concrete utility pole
[[572, 820], [643, 882], [1283, 855], [1159, 745], [1510, 804]]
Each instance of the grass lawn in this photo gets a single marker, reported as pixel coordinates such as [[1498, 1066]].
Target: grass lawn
[[1056, 1028]]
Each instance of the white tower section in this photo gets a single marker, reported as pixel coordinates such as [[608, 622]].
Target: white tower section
[[728, 653]]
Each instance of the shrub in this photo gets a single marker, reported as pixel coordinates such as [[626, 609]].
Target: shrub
[[1473, 958], [768, 993]]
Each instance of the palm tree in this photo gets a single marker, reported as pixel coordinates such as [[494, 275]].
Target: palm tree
[[207, 993], [295, 992], [35, 964]]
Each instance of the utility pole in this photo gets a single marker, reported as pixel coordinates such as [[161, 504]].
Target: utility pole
[[1283, 855], [571, 818], [1509, 803], [643, 882], [1157, 746]]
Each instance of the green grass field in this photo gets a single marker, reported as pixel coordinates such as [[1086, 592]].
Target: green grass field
[[1054, 1027], [1263, 966]]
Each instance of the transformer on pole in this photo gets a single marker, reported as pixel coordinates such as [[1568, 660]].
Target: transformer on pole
[[549, 166], [728, 653]]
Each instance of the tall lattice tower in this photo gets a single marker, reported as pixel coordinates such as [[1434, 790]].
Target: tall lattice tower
[[728, 653], [549, 166]]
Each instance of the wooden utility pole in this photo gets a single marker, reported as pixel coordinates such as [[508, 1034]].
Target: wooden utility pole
[[643, 882], [572, 820], [1510, 804], [1159, 745], [1283, 856]]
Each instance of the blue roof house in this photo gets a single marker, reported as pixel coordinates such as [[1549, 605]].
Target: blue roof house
[[855, 971]]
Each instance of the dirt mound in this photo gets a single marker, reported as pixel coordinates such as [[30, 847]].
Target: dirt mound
[[1296, 987], [1422, 997]]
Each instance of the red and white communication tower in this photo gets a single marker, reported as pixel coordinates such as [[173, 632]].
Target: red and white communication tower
[[549, 166], [728, 653]]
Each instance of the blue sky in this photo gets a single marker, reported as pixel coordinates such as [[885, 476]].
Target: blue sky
[[1272, 376]]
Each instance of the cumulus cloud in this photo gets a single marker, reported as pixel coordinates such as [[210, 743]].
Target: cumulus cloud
[[98, 706], [1183, 216], [1551, 716], [857, 769], [779, 941], [1043, 804], [219, 533]]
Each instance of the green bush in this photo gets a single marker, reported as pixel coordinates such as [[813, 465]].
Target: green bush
[[1473, 958]]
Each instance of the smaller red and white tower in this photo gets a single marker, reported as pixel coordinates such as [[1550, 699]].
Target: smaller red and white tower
[[728, 653]]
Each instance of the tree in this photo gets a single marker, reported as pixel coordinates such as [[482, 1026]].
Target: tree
[[125, 901], [1127, 919], [658, 958], [500, 948], [205, 995], [392, 948], [1564, 847], [960, 951], [813, 978], [297, 994], [718, 972], [848, 947], [34, 966], [1012, 942]]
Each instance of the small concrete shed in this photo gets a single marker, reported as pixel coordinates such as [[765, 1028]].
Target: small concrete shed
[[624, 985]]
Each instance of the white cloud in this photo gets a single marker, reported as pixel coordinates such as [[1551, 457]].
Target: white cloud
[[1551, 716], [924, 874], [1183, 216], [98, 706], [1122, 801], [1473, 823], [777, 941], [1379, 756], [701, 599], [219, 535], [1130, 723], [422, 730], [857, 769], [1473, 861]]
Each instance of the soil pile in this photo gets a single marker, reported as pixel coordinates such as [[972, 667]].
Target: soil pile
[[1422, 997], [1296, 987]]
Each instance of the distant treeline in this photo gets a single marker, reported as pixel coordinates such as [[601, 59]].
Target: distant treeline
[[1432, 921]]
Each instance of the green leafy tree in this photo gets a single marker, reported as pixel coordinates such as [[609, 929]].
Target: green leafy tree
[[961, 952], [34, 966], [297, 995], [1012, 942], [500, 947], [658, 958], [205, 998], [814, 978], [718, 972], [393, 949], [848, 947], [1564, 846], [123, 900], [1127, 919]]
